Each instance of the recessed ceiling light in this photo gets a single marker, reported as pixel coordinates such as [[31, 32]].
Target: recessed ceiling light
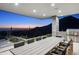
[[60, 15], [16, 4], [59, 11], [34, 10], [44, 14], [53, 4]]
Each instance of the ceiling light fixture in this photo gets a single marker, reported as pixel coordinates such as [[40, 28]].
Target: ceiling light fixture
[[59, 11], [16, 4], [34, 11], [60, 15], [53, 4], [44, 14]]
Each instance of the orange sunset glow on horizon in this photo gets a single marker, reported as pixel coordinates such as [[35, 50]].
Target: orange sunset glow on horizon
[[19, 26]]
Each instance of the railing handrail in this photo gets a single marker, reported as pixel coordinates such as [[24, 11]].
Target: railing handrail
[[34, 38], [38, 37]]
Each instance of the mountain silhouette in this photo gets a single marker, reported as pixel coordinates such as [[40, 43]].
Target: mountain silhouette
[[38, 31], [68, 22]]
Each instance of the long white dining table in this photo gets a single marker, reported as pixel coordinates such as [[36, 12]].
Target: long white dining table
[[37, 48]]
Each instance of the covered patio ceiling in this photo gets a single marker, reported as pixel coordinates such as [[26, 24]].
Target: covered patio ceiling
[[41, 10]]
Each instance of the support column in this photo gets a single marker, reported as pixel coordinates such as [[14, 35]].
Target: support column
[[55, 25]]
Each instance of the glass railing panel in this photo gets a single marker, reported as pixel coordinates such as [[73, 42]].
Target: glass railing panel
[[30, 41]]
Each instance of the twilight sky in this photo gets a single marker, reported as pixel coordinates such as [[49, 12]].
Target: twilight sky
[[8, 19]]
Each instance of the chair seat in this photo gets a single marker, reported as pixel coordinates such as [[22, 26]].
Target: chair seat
[[63, 44], [61, 49]]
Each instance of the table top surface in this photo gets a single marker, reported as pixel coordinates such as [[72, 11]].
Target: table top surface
[[37, 48]]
